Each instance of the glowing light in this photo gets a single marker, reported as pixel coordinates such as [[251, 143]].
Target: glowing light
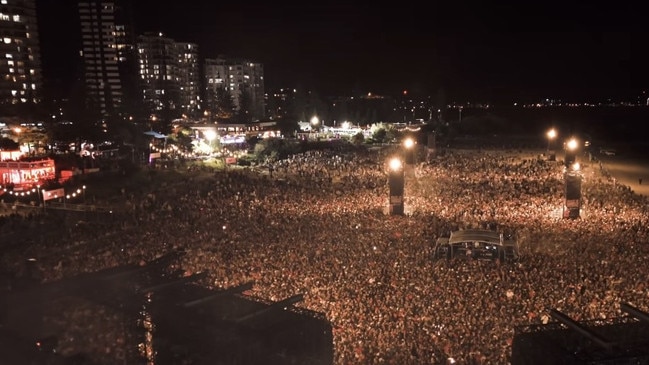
[[576, 166], [315, 120], [408, 143], [552, 133], [395, 164], [572, 144], [210, 134]]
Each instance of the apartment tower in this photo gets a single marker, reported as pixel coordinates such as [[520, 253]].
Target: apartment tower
[[20, 63], [107, 49], [169, 76], [242, 79]]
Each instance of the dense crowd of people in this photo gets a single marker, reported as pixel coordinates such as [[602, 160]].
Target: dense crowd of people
[[316, 224]]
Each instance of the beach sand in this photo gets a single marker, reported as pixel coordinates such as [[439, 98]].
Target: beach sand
[[627, 171]]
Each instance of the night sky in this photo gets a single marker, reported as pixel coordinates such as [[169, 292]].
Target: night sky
[[494, 52]]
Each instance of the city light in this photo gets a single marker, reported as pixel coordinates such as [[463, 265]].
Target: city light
[[552, 134]]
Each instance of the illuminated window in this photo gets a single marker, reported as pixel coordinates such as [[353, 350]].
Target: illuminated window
[[3, 2], [16, 18], [7, 40], [9, 55], [10, 63]]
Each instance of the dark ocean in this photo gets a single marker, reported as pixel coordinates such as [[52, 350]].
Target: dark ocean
[[625, 129]]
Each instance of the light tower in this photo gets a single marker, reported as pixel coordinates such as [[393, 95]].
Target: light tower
[[396, 182]]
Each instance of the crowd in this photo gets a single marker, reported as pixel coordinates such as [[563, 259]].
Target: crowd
[[316, 224]]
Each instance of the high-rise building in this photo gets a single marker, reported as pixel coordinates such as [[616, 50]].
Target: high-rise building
[[169, 76], [20, 63], [157, 59], [279, 103], [188, 78], [243, 79], [107, 48]]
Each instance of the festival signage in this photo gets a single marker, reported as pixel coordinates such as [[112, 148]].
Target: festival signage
[[53, 194]]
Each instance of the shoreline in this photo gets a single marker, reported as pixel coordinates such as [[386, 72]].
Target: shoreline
[[627, 170]]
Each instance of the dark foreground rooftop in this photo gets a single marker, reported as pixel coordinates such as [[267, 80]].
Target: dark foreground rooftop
[[166, 317]]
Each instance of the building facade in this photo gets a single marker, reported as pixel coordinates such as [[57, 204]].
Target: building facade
[[188, 78], [107, 49], [279, 103], [243, 79], [169, 76], [20, 63]]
